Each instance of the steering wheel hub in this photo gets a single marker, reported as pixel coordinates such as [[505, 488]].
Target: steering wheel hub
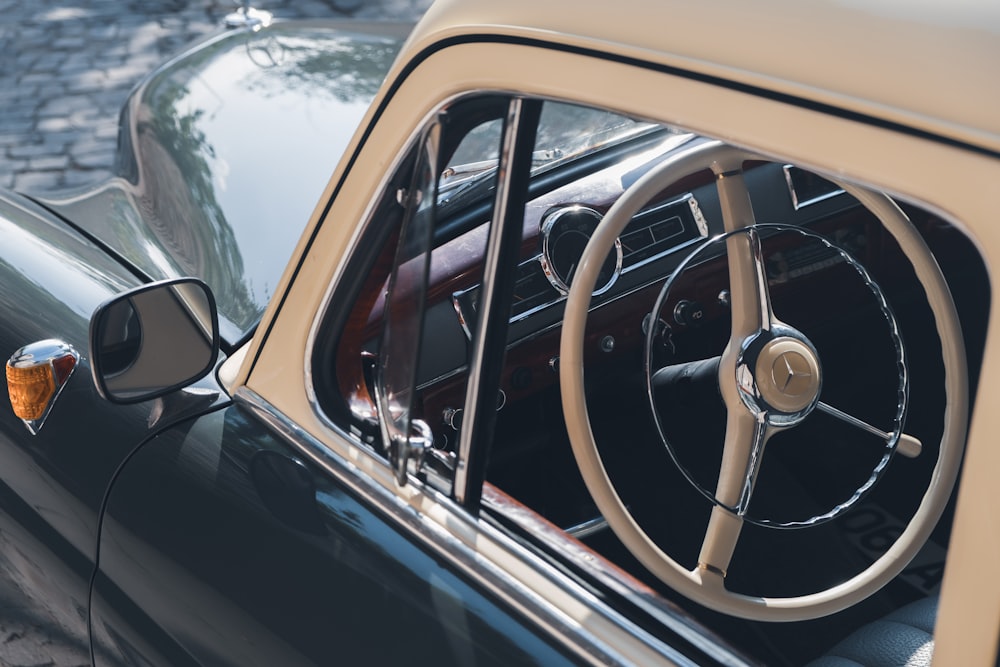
[[787, 376]]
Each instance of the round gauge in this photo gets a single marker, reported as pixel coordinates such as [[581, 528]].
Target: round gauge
[[565, 234]]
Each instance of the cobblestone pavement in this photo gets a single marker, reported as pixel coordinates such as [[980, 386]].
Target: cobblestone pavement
[[66, 67]]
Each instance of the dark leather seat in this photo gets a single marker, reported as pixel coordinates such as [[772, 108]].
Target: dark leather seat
[[904, 637]]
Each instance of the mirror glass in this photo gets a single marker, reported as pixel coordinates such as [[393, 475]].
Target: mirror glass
[[154, 339]]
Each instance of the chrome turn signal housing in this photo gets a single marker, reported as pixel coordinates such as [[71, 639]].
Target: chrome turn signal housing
[[36, 374]]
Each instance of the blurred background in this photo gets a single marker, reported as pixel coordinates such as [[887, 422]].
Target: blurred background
[[66, 67]]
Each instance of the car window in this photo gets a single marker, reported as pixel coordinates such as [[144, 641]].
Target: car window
[[628, 348], [401, 332], [468, 151], [419, 305]]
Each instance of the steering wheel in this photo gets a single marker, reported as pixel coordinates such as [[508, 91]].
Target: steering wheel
[[759, 400]]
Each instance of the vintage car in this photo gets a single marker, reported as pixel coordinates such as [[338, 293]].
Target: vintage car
[[653, 333]]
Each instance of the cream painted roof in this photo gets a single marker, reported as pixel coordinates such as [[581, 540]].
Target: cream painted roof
[[931, 65]]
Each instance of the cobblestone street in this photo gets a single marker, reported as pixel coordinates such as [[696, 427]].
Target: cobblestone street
[[68, 67]]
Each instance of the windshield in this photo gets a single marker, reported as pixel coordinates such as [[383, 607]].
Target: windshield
[[565, 132]]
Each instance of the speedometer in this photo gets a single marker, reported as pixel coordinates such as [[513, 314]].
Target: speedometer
[[565, 234]]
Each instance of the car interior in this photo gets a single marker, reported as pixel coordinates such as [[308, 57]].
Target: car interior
[[844, 470]]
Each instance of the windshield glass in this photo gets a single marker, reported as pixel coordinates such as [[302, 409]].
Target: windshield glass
[[565, 132]]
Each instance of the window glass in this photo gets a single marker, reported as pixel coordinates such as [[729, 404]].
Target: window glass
[[401, 332], [429, 342], [565, 132]]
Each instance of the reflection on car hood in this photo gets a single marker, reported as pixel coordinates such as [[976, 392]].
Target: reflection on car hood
[[225, 151]]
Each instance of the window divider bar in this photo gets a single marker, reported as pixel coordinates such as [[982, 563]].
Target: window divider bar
[[500, 274]]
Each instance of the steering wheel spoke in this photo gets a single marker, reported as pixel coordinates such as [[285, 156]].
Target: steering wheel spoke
[[907, 445], [749, 296], [746, 438], [721, 536]]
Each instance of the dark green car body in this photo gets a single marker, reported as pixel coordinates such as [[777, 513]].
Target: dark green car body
[[181, 530]]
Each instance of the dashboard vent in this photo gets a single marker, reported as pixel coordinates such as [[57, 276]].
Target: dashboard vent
[[656, 231]]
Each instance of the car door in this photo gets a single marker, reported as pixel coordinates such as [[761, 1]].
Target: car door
[[223, 545], [224, 541]]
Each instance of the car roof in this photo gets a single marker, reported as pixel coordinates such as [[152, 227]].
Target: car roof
[[925, 64]]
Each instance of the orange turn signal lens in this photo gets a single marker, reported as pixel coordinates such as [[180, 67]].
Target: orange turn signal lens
[[36, 374], [30, 390]]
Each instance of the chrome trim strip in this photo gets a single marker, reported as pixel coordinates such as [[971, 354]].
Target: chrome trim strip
[[441, 378], [483, 553], [588, 528]]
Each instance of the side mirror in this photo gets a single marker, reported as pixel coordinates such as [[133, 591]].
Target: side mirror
[[153, 339]]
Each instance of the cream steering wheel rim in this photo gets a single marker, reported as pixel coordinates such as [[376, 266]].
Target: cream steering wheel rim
[[706, 585]]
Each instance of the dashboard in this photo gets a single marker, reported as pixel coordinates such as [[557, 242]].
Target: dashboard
[[544, 279], [556, 229]]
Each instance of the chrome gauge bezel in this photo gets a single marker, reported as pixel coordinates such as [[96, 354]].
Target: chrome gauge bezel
[[551, 233]]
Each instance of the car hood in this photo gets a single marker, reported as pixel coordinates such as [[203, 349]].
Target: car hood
[[225, 151]]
